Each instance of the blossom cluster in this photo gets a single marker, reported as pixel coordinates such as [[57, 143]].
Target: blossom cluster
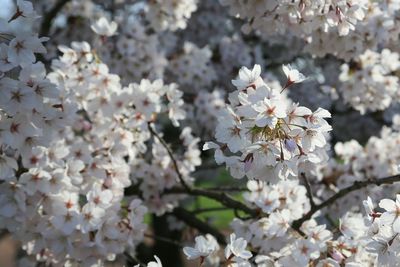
[[355, 162], [265, 137], [69, 145], [63, 199], [379, 28], [342, 28], [370, 82], [170, 14], [298, 17]]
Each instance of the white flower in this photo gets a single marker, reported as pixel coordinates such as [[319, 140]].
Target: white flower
[[156, 263], [229, 132], [248, 78], [6, 64], [304, 251], [269, 113], [391, 216], [8, 166], [237, 248], [279, 222], [268, 200], [91, 217], [22, 49], [36, 180], [369, 207], [104, 28], [205, 245], [99, 196], [386, 249], [25, 10], [292, 75], [314, 137]]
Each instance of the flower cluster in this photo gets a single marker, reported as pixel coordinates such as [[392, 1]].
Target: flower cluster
[[206, 249], [134, 47], [355, 162], [170, 14], [192, 68], [298, 17], [202, 114], [69, 142], [262, 136], [69, 185], [382, 236], [378, 28], [370, 82], [121, 120]]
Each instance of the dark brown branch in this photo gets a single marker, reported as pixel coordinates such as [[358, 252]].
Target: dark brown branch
[[193, 221], [171, 155], [49, 16], [343, 192], [221, 197], [227, 189], [212, 209], [133, 260], [309, 190], [164, 239]]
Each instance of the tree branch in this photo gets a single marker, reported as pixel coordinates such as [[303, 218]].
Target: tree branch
[[221, 197], [343, 192], [164, 239], [308, 188], [49, 16], [171, 155], [212, 209], [193, 221]]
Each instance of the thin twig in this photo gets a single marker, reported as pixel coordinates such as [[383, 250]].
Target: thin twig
[[133, 260], [227, 188], [309, 190], [191, 220], [221, 197], [343, 192], [164, 239], [171, 155], [212, 209], [49, 16]]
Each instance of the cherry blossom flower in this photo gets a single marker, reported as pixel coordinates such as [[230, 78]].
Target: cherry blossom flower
[[236, 249], [205, 245], [248, 78], [391, 216], [104, 28], [292, 75]]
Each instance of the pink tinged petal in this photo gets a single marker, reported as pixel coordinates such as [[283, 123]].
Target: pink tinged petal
[[247, 165]]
